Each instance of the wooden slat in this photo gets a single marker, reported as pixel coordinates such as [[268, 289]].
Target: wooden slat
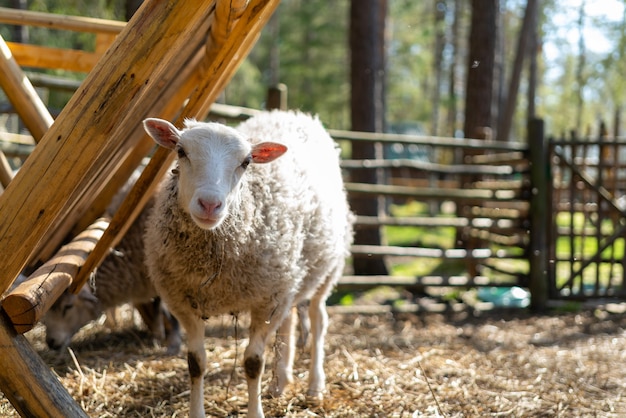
[[403, 281], [22, 94], [477, 144], [56, 21], [387, 250], [429, 167], [430, 193], [35, 56]]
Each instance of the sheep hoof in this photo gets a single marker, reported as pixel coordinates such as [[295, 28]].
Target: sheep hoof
[[314, 398]]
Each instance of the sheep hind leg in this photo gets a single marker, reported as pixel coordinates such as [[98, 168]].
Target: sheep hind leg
[[196, 360], [319, 324], [283, 355], [254, 355]]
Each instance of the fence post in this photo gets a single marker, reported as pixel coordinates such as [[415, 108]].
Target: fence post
[[540, 181], [277, 97]]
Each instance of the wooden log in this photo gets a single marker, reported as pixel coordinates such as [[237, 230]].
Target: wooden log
[[22, 94], [29, 301], [28, 383], [56, 21], [35, 56], [6, 173]]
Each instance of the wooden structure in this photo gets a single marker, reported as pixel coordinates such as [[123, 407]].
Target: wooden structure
[[495, 209], [171, 61], [587, 218]]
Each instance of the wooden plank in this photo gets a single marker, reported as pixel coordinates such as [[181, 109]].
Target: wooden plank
[[57, 21], [29, 301], [451, 253], [438, 221], [22, 94], [477, 144], [430, 193], [403, 281], [428, 166], [36, 56], [29, 383]]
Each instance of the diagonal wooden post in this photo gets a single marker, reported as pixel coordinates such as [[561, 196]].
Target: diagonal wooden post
[[22, 94]]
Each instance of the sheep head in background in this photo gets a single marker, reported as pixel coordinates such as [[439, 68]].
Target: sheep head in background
[[231, 233], [121, 278], [209, 177], [68, 314]]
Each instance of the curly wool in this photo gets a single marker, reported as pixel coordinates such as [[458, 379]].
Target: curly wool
[[290, 221]]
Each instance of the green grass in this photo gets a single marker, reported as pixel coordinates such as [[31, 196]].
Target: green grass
[[584, 245]]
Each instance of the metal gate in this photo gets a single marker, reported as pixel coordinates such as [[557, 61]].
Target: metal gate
[[587, 219]]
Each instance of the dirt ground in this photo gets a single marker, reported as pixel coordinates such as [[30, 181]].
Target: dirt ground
[[500, 363]]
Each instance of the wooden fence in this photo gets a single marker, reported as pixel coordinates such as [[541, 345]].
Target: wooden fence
[[455, 211], [587, 218]]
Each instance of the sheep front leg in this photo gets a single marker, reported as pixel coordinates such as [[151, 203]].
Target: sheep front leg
[[196, 360], [254, 355], [283, 355]]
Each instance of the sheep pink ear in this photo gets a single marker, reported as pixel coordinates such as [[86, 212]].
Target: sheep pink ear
[[266, 152], [164, 133]]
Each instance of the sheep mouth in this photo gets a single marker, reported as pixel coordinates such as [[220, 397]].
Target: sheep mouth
[[207, 221]]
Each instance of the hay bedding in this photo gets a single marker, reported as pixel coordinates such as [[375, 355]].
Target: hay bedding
[[506, 363]]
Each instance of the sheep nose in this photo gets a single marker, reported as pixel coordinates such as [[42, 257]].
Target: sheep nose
[[52, 343], [209, 207]]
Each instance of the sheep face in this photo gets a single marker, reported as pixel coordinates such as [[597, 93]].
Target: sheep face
[[212, 158], [69, 314]]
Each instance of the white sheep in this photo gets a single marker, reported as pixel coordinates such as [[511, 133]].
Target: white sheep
[[121, 278], [230, 233]]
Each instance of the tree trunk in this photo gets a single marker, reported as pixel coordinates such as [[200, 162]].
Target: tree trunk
[[20, 33], [452, 107], [479, 91], [440, 43], [367, 46], [580, 71], [506, 119], [479, 95]]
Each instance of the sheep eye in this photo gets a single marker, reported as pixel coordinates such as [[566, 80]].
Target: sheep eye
[[66, 309], [181, 152], [246, 162]]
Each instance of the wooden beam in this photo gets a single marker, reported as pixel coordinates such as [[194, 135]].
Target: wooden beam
[[29, 301], [22, 94], [6, 173], [28, 383], [56, 21], [35, 56]]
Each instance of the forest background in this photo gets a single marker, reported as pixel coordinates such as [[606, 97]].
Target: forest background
[[580, 51]]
